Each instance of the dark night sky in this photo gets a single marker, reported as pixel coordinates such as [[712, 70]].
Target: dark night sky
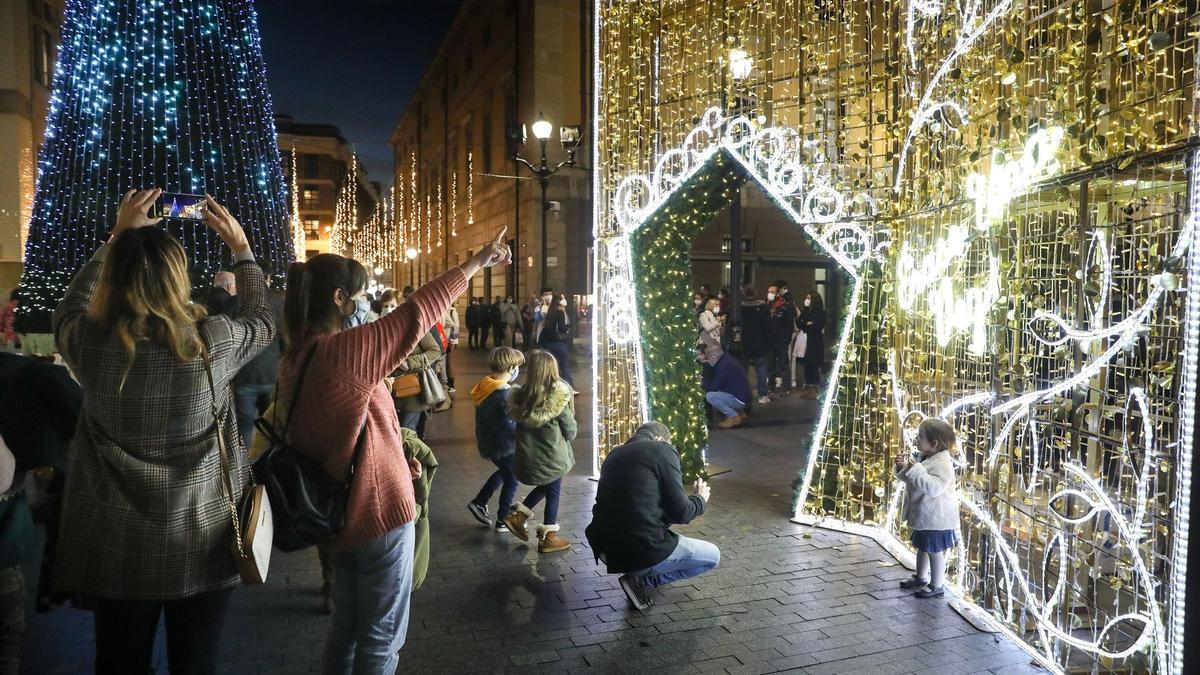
[[351, 63]]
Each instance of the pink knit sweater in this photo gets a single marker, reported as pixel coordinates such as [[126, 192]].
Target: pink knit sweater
[[344, 383]]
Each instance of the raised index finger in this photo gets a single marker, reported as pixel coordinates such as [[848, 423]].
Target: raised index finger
[[500, 235]]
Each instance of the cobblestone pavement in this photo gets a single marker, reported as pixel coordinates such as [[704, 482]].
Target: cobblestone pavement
[[785, 597]]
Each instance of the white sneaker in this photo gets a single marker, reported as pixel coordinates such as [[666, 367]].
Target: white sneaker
[[764, 400]]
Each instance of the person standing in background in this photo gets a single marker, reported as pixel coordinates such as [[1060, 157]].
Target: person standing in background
[[755, 346], [473, 324], [450, 324], [781, 320], [254, 385], [510, 319], [39, 406], [812, 321], [540, 311], [555, 337]]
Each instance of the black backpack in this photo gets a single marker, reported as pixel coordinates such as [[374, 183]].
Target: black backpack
[[309, 505]]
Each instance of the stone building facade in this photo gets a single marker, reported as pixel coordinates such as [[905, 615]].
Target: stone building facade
[[499, 67]]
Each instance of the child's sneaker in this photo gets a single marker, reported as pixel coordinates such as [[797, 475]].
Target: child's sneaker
[[500, 527], [932, 593], [913, 582], [480, 511]]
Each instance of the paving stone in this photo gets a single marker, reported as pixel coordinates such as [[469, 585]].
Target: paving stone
[[779, 601]]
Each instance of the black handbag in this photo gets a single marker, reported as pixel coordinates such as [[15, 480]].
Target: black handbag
[[309, 505]]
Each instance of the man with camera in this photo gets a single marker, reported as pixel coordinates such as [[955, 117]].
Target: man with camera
[[639, 497]]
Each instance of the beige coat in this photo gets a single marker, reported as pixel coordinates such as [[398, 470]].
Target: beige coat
[[931, 495]]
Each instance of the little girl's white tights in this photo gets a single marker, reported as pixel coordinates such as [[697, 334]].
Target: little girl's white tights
[[932, 566]]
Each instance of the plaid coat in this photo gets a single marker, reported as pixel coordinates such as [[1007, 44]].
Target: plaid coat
[[145, 512]]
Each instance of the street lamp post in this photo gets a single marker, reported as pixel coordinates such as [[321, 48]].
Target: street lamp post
[[570, 137], [411, 254]]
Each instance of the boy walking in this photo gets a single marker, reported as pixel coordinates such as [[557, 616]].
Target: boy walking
[[496, 434]]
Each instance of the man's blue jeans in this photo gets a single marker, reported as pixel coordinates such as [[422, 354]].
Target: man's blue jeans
[[727, 404], [252, 401], [761, 376], [371, 587], [691, 558]]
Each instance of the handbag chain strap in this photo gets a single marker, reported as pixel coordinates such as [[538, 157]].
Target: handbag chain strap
[[225, 463]]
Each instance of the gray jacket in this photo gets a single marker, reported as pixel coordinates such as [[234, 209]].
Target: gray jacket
[[145, 512]]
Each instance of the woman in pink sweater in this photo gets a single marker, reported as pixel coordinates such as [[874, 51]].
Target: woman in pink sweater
[[342, 396]]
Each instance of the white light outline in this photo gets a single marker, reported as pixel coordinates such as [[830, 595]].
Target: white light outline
[[966, 39], [788, 182]]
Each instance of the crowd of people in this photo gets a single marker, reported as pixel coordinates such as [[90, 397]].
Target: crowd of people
[[145, 447], [163, 404], [773, 337]]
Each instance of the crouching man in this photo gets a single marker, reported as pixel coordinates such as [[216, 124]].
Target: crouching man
[[639, 497]]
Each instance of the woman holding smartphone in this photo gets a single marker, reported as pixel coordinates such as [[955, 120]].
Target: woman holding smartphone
[[146, 528]]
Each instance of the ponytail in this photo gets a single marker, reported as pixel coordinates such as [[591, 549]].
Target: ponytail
[[307, 308], [295, 305]]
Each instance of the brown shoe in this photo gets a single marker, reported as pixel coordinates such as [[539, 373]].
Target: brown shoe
[[516, 521], [549, 541], [730, 422], [743, 415]]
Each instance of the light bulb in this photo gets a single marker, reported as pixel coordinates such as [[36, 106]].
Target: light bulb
[[542, 129]]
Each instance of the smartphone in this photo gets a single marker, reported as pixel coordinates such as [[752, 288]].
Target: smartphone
[[180, 206]]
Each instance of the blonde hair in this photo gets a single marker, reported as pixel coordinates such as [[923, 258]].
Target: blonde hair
[[503, 359], [541, 375], [144, 293], [939, 434]]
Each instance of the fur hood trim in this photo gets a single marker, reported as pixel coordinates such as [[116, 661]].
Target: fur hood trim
[[560, 397]]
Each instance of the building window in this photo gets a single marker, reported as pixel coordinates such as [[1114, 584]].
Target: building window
[[747, 243], [310, 197], [312, 228], [310, 166], [487, 142], [43, 56]]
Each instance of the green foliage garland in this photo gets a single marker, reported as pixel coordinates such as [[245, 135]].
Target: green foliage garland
[[662, 269]]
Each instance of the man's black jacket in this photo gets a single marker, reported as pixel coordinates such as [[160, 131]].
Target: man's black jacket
[[639, 497]]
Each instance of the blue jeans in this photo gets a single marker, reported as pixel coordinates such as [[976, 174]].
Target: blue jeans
[[691, 558], [371, 587], [559, 349], [503, 476], [551, 492], [725, 403], [762, 379], [252, 401]]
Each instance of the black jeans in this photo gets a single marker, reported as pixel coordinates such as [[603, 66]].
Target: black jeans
[[125, 633], [473, 337], [12, 618]]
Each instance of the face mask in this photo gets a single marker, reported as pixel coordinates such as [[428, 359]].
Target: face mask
[[562, 303], [388, 309], [770, 297], [807, 302], [783, 291], [697, 301], [512, 374], [362, 307], [547, 298], [716, 310]]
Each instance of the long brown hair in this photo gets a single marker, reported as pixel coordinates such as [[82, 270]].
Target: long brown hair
[[541, 374], [307, 307], [144, 293]]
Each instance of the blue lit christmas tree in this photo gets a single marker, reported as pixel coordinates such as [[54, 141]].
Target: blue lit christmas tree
[[154, 93]]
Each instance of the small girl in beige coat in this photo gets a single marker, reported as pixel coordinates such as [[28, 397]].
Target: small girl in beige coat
[[930, 505]]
